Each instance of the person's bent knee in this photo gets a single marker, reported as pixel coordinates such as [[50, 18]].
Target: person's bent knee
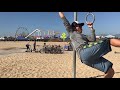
[[115, 42]]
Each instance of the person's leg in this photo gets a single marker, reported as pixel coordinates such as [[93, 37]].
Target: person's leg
[[110, 73], [105, 66], [115, 42], [27, 48], [101, 64], [94, 52]]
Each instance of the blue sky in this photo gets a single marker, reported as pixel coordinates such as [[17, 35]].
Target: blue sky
[[105, 22]]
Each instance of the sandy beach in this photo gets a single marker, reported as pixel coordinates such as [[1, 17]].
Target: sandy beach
[[16, 63]]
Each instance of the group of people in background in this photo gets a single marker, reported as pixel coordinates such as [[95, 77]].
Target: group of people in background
[[53, 49]]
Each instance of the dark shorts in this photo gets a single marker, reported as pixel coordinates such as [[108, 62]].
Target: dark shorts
[[93, 56]]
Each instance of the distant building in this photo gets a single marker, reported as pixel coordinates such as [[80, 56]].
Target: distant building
[[2, 38], [98, 37], [117, 36], [109, 36], [21, 38]]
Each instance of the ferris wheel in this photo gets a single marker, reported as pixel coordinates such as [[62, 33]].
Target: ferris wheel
[[21, 32]]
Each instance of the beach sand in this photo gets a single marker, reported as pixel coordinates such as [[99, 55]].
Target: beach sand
[[16, 63]]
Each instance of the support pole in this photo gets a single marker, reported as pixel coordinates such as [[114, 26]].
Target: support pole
[[74, 52]]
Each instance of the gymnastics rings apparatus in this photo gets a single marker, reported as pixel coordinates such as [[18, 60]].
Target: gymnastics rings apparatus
[[93, 17]]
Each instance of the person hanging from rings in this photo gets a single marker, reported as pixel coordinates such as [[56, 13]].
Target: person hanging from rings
[[90, 54]]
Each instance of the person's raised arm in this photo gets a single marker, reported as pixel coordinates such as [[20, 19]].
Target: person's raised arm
[[65, 22], [61, 14], [93, 35]]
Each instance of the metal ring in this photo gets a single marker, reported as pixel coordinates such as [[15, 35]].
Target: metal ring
[[87, 17]]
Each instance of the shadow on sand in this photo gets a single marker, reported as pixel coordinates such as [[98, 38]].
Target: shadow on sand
[[101, 75], [117, 52], [11, 50]]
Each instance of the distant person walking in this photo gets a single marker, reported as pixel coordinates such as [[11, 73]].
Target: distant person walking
[[34, 46]]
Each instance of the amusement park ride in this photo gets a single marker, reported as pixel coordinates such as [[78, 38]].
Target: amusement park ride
[[22, 33], [42, 34]]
